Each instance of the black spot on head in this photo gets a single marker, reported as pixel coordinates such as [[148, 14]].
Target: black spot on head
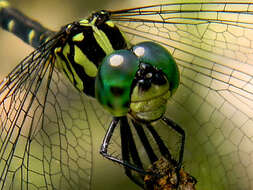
[[117, 91], [145, 67], [159, 78], [109, 105], [144, 84]]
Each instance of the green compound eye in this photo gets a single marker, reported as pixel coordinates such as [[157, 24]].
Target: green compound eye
[[139, 72], [159, 57], [114, 79]]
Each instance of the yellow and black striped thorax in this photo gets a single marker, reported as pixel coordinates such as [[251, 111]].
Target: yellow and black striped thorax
[[83, 46]]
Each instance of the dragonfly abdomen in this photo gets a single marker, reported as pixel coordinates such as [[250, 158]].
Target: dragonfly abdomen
[[28, 30]]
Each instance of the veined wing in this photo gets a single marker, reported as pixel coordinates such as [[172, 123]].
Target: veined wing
[[212, 44], [45, 140]]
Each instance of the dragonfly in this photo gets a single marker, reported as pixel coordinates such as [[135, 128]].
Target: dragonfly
[[211, 44]]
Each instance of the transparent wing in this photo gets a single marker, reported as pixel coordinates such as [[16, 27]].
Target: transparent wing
[[212, 44], [45, 140]]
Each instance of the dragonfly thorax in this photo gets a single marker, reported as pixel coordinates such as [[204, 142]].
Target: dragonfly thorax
[[82, 47]]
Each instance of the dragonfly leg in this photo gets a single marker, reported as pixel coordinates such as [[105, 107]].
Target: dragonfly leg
[[105, 144], [178, 129], [162, 147], [129, 150], [145, 142]]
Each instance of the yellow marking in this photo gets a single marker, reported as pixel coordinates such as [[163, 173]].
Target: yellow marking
[[11, 25], [68, 29], [48, 38], [110, 23], [84, 22], [79, 82], [69, 26], [99, 35], [4, 4], [102, 40], [31, 36], [79, 37], [43, 35], [61, 65], [56, 51], [92, 23], [129, 45], [88, 66]]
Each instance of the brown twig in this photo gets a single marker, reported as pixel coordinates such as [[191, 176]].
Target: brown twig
[[164, 177]]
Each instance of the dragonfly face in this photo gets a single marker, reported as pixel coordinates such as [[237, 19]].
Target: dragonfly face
[[155, 82]]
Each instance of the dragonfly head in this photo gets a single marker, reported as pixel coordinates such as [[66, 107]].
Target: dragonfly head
[[99, 17], [137, 81]]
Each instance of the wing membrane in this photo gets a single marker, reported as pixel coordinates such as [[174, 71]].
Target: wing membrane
[[45, 136], [212, 44]]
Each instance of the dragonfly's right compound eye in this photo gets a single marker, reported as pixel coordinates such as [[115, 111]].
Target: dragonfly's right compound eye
[[160, 58], [114, 80]]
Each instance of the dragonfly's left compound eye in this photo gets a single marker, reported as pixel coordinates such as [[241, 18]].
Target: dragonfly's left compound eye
[[114, 79]]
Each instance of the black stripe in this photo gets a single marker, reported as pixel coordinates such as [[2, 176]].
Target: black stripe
[[88, 82], [124, 141], [145, 142], [129, 150], [128, 136], [90, 47], [23, 25], [114, 35], [100, 85], [60, 54]]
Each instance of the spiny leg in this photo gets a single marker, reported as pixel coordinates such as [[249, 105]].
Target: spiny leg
[[106, 142], [148, 148], [162, 147], [178, 129], [129, 150]]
